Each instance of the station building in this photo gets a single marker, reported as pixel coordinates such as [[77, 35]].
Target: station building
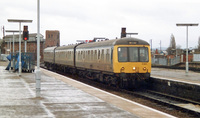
[[52, 39]]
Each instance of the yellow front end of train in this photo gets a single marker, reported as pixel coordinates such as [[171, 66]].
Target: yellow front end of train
[[132, 59]]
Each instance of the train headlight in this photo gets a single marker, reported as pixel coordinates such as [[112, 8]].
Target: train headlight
[[134, 68], [122, 69], [144, 68]]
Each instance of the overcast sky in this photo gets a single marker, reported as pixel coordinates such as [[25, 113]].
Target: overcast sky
[[86, 19]]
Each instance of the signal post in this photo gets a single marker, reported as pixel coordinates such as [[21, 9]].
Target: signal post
[[19, 21], [25, 36]]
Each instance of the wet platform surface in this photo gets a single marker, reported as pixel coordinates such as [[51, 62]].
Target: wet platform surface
[[58, 99], [62, 97], [175, 74]]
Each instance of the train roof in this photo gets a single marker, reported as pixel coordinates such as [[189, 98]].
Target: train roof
[[49, 49], [121, 41], [113, 42], [67, 47]]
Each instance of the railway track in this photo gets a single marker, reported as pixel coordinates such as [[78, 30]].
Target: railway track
[[165, 102], [184, 105]]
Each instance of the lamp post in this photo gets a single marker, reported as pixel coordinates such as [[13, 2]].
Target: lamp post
[[150, 41], [19, 21], [187, 24], [13, 31], [37, 72]]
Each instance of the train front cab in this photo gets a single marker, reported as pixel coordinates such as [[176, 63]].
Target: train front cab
[[132, 64]]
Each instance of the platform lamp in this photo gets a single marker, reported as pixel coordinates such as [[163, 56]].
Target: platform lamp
[[13, 31], [37, 71], [19, 21], [187, 24]]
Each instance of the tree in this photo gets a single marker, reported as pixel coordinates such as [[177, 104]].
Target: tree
[[172, 47], [199, 44], [172, 42]]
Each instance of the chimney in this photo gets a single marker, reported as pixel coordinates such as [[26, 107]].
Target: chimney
[[123, 33]]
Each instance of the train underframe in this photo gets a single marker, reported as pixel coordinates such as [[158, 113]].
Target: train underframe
[[120, 80]]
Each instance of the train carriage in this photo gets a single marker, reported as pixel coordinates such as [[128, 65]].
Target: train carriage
[[49, 56], [64, 57], [95, 56], [132, 62], [121, 62]]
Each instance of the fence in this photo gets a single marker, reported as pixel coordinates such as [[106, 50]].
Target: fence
[[165, 61], [196, 57], [27, 61], [3, 57]]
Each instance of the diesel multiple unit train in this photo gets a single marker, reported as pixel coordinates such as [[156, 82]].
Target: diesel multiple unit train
[[120, 62]]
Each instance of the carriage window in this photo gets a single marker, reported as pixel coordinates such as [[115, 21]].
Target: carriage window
[[98, 54], [95, 55], [92, 56], [83, 54], [122, 54], [133, 54], [102, 54], [107, 55], [88, 58], [144, 57], [79, 55]]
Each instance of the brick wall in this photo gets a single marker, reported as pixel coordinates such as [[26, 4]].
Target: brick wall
[[190, 57], [31, 47], [52, 38]]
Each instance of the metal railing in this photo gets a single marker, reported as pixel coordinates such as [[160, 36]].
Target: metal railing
[[165, 61], [27, 60]]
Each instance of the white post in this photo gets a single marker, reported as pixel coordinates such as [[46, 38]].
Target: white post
[[13, 51], [38, 73], [20, 68], [11, 56], [25, 43], [186, 50], [187, 24]]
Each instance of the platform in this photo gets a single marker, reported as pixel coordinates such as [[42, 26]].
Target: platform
[[62, 97], [177, 75]]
